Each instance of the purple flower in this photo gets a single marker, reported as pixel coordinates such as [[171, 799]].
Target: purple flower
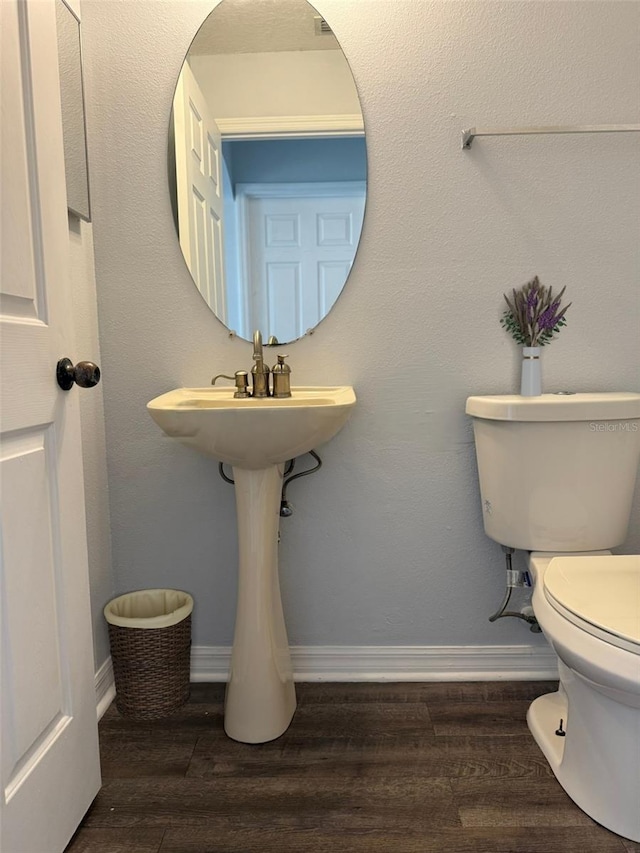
[[548, 319]]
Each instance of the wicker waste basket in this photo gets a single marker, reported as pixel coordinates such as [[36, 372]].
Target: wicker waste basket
[[150, 637]]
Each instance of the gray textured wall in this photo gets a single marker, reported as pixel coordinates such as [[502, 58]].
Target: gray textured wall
[[386, 546]]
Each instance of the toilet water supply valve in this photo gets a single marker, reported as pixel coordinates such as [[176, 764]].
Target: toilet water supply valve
[[516, 578]]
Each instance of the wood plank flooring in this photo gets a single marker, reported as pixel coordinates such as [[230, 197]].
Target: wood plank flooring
[[364, 768]]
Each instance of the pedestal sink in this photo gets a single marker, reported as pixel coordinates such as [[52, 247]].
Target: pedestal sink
[[256, 437]]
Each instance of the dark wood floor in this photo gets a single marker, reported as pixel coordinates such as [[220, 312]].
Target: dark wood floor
[[364, 768]]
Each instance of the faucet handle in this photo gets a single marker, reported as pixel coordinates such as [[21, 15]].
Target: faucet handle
[[241, 378]]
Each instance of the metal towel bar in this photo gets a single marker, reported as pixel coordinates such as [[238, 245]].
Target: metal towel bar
[[469, 135]]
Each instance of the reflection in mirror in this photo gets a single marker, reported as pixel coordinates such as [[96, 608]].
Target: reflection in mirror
[[73, 120], [267, 166]]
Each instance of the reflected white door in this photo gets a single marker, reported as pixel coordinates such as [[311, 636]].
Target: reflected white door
[[199, 190], [300, 241], [49, 746]]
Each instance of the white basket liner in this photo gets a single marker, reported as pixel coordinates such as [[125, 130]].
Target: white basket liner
[[149, 608]]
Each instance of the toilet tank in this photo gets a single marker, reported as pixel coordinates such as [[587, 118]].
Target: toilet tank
[[557, 472]]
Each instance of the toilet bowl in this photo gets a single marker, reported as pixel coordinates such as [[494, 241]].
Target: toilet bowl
[[557, 479], [588, 607]]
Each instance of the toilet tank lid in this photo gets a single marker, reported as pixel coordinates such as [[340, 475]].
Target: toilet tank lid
[[608, 406]]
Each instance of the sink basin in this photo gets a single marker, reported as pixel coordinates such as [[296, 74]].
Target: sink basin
[[253, 434]]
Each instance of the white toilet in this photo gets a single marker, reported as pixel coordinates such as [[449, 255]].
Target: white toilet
[[557, 476]]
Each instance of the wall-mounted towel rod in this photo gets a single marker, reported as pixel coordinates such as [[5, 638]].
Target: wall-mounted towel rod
[[469, 135]]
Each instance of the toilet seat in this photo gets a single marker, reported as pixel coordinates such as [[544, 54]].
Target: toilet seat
[[599, 594]]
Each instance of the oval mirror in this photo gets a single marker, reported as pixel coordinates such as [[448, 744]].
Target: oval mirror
[[267, 166]]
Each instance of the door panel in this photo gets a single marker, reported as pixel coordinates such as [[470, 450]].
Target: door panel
[[284, 298], [34, 667], [18, 273], [199, 191], [331, 278], [49, 749]]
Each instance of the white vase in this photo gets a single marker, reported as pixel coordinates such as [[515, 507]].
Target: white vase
[[531, 382]]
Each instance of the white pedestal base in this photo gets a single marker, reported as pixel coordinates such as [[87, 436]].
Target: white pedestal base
[[260, 698]]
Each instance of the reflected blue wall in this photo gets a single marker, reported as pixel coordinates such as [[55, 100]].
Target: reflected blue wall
[[296, 160]]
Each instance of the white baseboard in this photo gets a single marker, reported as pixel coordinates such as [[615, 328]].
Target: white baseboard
[[105, 687], [396, 663]]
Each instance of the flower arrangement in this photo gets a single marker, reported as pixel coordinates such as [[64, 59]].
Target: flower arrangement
[[534, 315]]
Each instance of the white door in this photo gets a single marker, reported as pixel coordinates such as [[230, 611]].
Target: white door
[[300, 241], [199, 190], [49, 745]]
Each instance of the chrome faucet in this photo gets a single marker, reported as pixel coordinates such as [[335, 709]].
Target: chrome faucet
[[260, 370]]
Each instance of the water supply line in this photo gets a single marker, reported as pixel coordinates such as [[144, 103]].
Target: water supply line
[[286, 510], [515, 579], [230, 480]]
